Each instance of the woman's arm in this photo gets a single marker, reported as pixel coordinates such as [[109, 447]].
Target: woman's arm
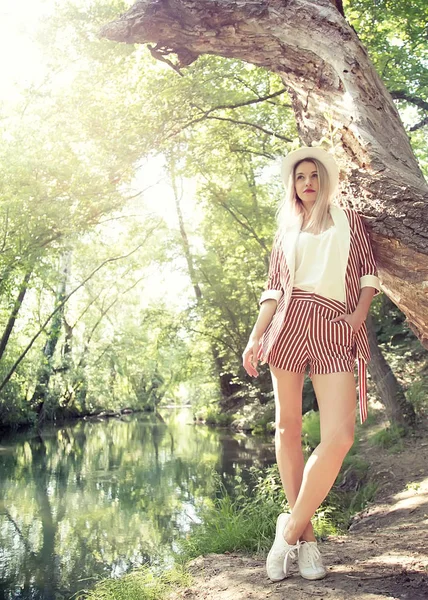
[[249, 356], [266, 312], [268, 302], [368, 267], [363, 306], [369, 281]]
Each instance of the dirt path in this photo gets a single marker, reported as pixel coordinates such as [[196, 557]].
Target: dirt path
[[384, 556]]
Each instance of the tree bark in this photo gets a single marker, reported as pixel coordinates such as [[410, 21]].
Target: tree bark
[[336, 95]]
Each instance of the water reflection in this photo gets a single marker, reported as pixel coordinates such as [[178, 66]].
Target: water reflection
[[93, 499]]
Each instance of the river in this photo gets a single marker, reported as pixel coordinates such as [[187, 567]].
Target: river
[[93, 499]]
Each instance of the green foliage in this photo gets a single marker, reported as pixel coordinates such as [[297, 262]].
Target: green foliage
[[212, 416], [417, 394], [311, 435], [241, 522], [246, 519], [264, 424], [395, 35]]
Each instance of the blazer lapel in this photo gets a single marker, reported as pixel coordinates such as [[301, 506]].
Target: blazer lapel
[[343, 231], [288, 244]]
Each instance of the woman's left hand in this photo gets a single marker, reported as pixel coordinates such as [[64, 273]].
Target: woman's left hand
[[354, 320]]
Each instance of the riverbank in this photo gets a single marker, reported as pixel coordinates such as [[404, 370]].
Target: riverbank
[[382, 555]]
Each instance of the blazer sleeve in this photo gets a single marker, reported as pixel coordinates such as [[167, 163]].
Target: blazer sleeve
[[273, 288], [368, 268]]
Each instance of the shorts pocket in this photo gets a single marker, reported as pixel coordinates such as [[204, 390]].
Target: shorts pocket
[[350, 327], [342, 333]]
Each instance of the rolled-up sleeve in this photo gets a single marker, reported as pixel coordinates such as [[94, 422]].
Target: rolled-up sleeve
[[368, 268], [273, 288]]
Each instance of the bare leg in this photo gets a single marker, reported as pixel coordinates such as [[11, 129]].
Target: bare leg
[[287, 388], [336, 395]]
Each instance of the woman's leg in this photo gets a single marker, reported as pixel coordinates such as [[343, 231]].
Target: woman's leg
[[288, 388], [336, 395]]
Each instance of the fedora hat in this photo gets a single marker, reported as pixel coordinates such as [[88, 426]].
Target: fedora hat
[[306, 153]]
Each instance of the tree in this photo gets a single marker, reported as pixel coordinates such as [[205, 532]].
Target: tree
[[336, 95]]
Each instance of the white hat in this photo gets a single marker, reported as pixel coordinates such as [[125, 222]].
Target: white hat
[[308, 152]]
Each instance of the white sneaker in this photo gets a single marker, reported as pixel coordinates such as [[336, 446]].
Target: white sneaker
[[278, 560], [310, 561]]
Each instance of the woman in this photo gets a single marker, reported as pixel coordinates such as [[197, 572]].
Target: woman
[[322, 278]]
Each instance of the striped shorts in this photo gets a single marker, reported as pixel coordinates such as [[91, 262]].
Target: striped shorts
[[309, 336]]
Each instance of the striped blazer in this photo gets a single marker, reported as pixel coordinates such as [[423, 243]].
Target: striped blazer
[[358, 270]]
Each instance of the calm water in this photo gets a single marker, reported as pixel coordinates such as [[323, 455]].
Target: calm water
[[93, 499]]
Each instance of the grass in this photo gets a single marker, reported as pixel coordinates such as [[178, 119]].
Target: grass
[[389, 438], [244, 522], [413, 486], [139, 584], [247, 521]]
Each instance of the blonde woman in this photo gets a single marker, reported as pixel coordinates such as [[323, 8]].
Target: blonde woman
[[322, 279]]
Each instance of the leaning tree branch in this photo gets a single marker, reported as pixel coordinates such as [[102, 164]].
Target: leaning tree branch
[[234, 121], [419, 125], [416, 100], [258, 127], [248, 102]]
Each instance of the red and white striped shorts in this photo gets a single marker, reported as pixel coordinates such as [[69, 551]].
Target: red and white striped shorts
[[309, 336]]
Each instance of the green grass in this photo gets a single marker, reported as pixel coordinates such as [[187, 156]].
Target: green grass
[[139, 584], [413, 486], [247, 521], [244, 522], [389, 438]]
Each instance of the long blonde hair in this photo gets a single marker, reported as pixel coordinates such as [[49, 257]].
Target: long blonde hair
[[291, 208]]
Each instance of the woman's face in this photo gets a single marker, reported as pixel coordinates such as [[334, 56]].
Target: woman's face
[[306, 181]]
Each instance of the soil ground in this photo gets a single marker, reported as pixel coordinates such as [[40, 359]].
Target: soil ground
[[384, 555]]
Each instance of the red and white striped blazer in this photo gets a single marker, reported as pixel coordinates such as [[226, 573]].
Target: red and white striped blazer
[[358, 270]]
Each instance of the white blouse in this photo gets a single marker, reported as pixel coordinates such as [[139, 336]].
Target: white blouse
[[317, 267]]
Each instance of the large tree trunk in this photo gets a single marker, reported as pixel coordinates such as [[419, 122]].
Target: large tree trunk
[[336, 93]]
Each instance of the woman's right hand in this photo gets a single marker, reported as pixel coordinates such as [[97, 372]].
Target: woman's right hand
[[249, 356]]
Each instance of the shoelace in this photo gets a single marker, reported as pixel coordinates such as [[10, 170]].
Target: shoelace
[[291, 552], [313, 553]]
